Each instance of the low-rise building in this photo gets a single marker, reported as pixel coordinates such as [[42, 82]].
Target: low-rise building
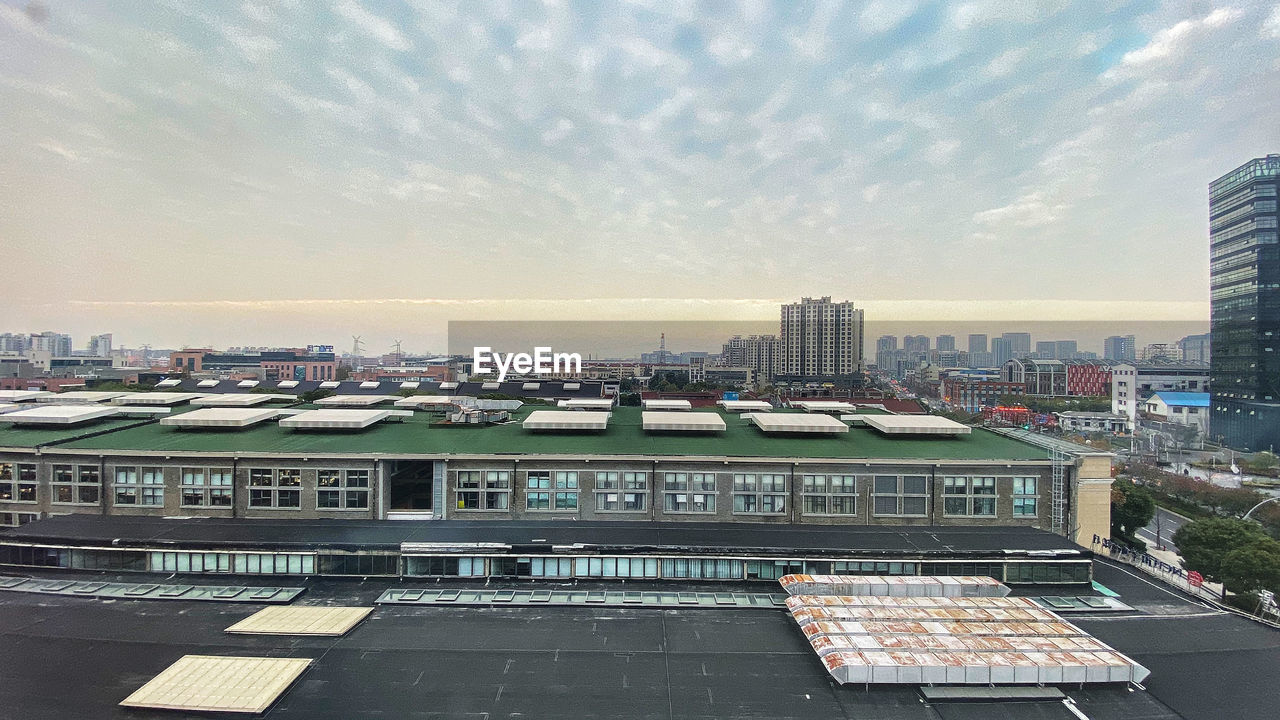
[[1181, 408], [1091, 422], [1132, 384]]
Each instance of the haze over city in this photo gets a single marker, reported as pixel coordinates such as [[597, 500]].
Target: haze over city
[[210, 174]]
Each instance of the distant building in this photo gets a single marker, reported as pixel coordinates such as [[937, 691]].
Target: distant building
[[1092, 422], [1046, 350], [980, 359], [1065, 349], [1160, 353], [915, 343], [1001, 351], [1181, 408], [273, 364], [886, 343], [1038, 377], [1019, 343], [1122, 348], [1195, 348], [1131, 385], [57, 344], [973, 393], [761, 353], [946, 342], [100, 345], [1088, 378], [977, 343], [821, 340]]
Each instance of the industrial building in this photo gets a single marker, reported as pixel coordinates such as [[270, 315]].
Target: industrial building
[[170, 454]]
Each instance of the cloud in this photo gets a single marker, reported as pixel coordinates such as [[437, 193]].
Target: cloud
[[1171, 40], [1027, 211], [373, 25]]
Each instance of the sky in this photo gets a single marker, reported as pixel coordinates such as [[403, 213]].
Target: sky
[[294, 172]]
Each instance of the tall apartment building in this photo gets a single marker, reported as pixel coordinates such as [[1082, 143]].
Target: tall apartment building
[[1019, 343], [100, 345], [1120, 347], [977, 343], [820, 339], [758, 352], [57, 344], [1001, 351], [1195, 348], [915, 343], [886, 343], [1244, 271], [946, 342]]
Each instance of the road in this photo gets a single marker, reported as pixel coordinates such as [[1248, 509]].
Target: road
[[1168, 523]]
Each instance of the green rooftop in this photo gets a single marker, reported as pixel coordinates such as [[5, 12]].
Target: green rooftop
[[28, 436], [423, 435]]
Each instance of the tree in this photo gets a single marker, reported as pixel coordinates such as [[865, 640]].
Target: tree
[[1205, 543], [342, 373], [1132, 508], [311, 396], [1253, 567]]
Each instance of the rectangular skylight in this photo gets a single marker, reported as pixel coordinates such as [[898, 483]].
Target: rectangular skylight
[[335, 419], [448, 386], [207, 384], [232, 400], [410, 385], [916, 425], [566, 420], [797, 423], [22, 395], [490, 386], [247, 384], [531, 386], [745, 405], [287, 384], [354, 400], [824, 406], [155, 398], [682, 421], [215, 683], [80, 397], [330, 385], [221, 417], [420, 401], [58, 414], [317, 620], [586, 404], [668, 405], [370, 385], [171, 382]]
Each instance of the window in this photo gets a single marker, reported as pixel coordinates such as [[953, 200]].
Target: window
[[134, 486], [207, 487], [275, 488], [536, 497], [900, 495], [484, 489], [27, 483], [759, 494], [829, 494], [76, 485], [634, 484], [969, 496], [689, 492], [1024, 496], [342, 489], [14, 487]]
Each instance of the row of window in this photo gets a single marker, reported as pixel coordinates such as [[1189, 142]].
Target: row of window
[[753, 493], [198, 487]]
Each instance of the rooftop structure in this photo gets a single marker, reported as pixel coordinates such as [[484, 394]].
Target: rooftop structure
[[354, 400], [335, 419], [667, 405], [80, 396], [566, 420], [22, 395], [220, 417], [58, 415], [235, 400], [155, 398], [824, 406], [682, 421], [794, 423], [916, 425], [587, 404], [737, 406]]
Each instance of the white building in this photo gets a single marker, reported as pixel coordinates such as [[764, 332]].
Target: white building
[[1180, 408], [1131, 385], [1091, 422]]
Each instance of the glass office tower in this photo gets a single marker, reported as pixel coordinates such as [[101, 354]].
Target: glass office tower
[[1244, 271]]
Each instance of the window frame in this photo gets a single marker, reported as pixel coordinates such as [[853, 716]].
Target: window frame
[[282, 481], [1023, 499], [900, 495], [344, 490], [754, 493], [810, 491], [75, 484], [971, 497], [680, 495]]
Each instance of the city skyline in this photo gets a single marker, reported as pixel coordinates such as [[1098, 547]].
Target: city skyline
[[265, 150]]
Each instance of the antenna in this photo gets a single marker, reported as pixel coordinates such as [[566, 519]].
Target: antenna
[[357, 345]]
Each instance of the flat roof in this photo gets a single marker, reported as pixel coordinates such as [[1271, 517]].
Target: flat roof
[[22, 395], [247, 383], [566, 420], [418, 401], [220, 417], [354, 400], [667, 405], [587, 403], [916, 425], [745, 405], [81, 396], [635, 535], [682, 421], [284, 384], [9, 407], [169, 382], [334, 419], [824, 405], [233, 400], [797, 423], [155, 398], [207, 383], [58, 414], [624, 435]]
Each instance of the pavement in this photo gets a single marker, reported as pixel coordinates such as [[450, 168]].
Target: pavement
[[1163, 525]]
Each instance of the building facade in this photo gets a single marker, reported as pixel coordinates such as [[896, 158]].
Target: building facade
[[1245, 304], [1122, 348], [1131, 385], [821, 340]]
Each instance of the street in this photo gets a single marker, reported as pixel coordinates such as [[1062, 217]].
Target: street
[[1166, 523]]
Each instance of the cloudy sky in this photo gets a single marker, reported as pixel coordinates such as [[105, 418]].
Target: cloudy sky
[[191, 173]]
